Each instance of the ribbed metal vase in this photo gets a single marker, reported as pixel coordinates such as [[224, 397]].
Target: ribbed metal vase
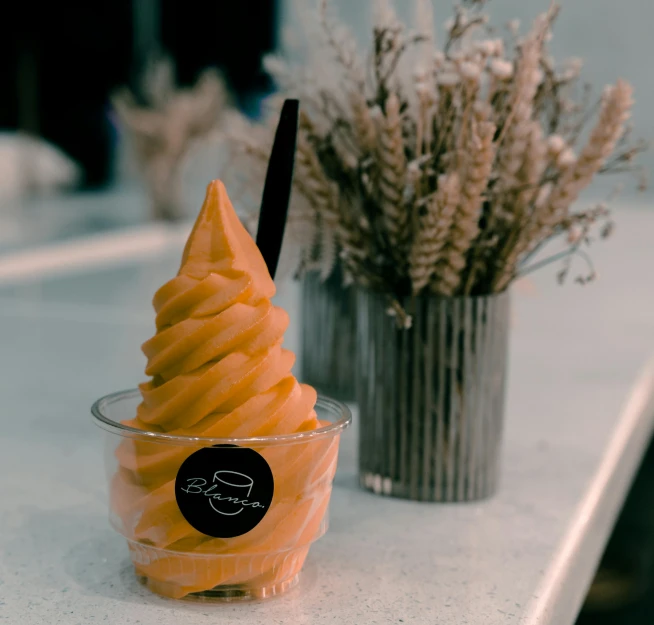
[[329, 336], [431, 398]]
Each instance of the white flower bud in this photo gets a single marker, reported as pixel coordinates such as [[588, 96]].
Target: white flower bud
[[376, 112], [413, 172], [566, 158], [485, 47], [448, 79], [574, 234], [408, 192], [514, 26], [482, 110], [555, 145], [470, 71], [502, 70]]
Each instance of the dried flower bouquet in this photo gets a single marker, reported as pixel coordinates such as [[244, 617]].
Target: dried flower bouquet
[[442, 171]]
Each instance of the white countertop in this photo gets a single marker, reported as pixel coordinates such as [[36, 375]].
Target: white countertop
[[579, 418]]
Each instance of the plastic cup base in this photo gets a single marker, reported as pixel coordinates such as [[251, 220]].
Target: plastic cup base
[[237, 593]]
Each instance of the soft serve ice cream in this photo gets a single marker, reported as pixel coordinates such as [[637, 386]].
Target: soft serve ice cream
[[218, 369]]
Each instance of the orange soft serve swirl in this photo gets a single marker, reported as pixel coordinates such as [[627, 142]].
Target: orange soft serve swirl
[[218, 345], [218, 369]]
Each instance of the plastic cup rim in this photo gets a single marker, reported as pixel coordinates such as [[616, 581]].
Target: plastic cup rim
[[102, 420]]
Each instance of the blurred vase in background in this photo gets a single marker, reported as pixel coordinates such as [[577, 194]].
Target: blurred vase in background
[[431, 397], [329, 335]]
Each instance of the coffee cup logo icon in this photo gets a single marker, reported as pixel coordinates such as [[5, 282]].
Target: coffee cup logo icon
[[225, 490], [232, 481]]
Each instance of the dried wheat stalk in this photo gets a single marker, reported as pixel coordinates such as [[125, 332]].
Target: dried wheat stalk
[[434, 231], [392, 163], [616, 109]]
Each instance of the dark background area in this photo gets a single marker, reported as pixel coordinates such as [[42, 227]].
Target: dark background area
[[60, 61], [623, 590]]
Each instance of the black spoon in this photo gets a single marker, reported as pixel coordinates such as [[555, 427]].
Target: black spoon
[[277, 188]]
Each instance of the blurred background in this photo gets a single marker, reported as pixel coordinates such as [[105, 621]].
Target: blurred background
[[60, 65], [59, 135], [68, 169]]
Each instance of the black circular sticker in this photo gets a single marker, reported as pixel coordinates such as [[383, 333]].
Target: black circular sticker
[[225, 490]]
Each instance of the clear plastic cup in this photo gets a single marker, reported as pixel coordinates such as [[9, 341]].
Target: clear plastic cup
[[186, 504]]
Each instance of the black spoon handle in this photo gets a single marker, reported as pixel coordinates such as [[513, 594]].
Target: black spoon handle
[[277, 188]]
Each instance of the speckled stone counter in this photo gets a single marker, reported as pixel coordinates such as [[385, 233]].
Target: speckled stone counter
[[580, 413]]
